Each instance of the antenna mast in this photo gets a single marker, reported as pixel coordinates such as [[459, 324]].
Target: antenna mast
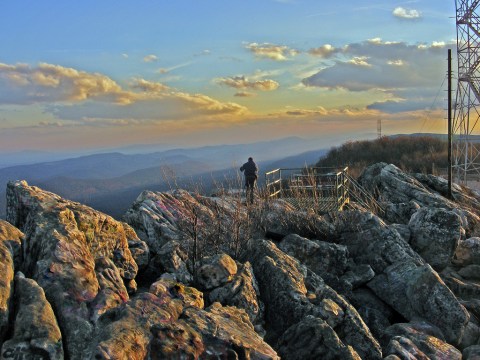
[[467, 106]]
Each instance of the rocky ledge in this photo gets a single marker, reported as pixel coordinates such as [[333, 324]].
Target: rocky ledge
[[185, 276]]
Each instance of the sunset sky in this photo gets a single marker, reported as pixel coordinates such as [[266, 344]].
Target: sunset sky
[[102, 74]]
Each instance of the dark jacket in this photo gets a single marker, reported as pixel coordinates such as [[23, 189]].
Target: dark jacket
[[250, 169]]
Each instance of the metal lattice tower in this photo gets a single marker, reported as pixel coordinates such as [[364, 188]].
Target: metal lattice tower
[[466, 153]]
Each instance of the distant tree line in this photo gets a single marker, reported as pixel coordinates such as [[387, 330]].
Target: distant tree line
[[412, 154]]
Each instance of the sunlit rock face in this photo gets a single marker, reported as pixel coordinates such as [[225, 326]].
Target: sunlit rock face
[[194, 276], [64, 243]]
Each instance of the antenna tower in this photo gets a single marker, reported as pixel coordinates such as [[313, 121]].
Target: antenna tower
[[379, 128], [467, 105]]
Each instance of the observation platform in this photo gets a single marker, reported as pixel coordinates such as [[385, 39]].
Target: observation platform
[[319, 189]]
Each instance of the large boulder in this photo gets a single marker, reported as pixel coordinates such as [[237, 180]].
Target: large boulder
[[244, 293], [172, 259], [401, 193], [467, 252], [403, 279], [426, 338], [313, 338], [291, 292], [10, 261], [321, 257], [219, 332], [35, 333], [6, 289], [63, 241], [435, 234], [215, 271], [203, 226], [169, 322], [13, 239]]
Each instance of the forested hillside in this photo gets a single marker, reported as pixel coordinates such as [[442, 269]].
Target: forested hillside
[[412, 154]]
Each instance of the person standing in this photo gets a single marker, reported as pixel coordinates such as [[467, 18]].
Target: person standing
[[250, 170]]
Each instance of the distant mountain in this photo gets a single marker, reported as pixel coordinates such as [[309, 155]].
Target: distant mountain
[[111, 178]]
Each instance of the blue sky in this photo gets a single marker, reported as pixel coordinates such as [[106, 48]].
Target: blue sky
[[100, 74]]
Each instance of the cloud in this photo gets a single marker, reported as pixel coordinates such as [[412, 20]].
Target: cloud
[[324, 51], [244, 94], [241, 82], [271, 51], [150, 58], [408, 14], [22, 84], [125, 56], [396, 69], [149, 86], [97, 97]]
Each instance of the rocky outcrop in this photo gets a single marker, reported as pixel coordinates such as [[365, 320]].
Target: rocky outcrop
[[435, 234], [63, 242], [10, 259], [347, 285], [169, 322], [35, 332], [421, 339], [242, 291], [292, 293], [403, 279]]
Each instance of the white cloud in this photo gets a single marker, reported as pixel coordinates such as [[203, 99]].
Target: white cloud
[[271, 51], [245, 94], [96, 96], [398, 62], [324, 51], [22, 84], [409, 75], [150, 58], [241, 82], [359, 61], [409, 14]]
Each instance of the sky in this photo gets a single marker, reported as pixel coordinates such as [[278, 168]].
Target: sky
[[78, 75]]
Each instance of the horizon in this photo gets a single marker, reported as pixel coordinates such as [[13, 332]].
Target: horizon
[[84, 77]]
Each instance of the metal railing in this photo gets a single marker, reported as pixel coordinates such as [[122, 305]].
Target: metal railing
[[321, 189]]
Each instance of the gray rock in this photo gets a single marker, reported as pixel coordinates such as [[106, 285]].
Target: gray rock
[[467, 252], [417, 291], [320, 256], [6, 289], [376, 314], [13, 238], [36, 333], [243, 292], [435, 234], [291, 292], [313, 338], [236, 338], [423, 339], [171, 324], [112, 291], [403, 279], [215, 271], [173, 259], [404, 348], [358, 275], [138, 248], [471, 353], [471, 336], [403, 230], [62, 241], [463, 288], [400, 212], [470, 272], [10, 261]]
